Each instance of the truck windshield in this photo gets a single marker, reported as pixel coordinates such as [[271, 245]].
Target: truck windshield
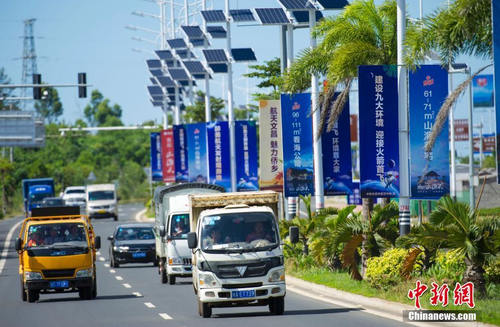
[[75, 191], [101, 195], [179, 227], [38, 197], [56, 235], [239, 232]]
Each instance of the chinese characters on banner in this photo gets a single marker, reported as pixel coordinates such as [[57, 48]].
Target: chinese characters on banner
[[180, 154], [246, 156], [378, 129], [197, 152], [167, 151], [156, 167], [355, 196], [297, 144], [482, 88], [488, 143], [271, 148], [430, 171], [496, 60], [336, 146], [218, 154]]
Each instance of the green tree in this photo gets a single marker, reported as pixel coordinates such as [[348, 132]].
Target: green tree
[[6, 170], [6, 104], [196, 113], [270, 74], [99, 111], [50, 106]]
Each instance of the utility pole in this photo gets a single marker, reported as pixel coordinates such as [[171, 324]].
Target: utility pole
[[472, 196], [29, 56], [208, 110]]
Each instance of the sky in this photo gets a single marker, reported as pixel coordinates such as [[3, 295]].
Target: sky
[[90, 36]]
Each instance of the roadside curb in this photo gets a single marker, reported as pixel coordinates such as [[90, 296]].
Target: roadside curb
[[140, 216], [388, 309]]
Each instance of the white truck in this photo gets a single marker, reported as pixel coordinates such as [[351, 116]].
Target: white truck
[[237, 253], [172, 226]]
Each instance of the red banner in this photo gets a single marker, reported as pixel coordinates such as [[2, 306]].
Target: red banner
[[167, 152], [488, 143], [354, 128], [461, 129]]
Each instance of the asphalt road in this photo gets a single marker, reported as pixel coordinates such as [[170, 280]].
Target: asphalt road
[[132, 295]]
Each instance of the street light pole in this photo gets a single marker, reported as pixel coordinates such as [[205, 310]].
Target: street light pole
[[471, 147], [208, 111]]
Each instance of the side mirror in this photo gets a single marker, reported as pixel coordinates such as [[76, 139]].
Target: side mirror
[[294, 234], [19, 244], [162, 231], [97, 242], [192, 240], [110, 238], [118, 198]]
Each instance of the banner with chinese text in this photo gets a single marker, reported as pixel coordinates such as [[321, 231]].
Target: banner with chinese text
[[156, 165], [355, 196], [336, 145], [167, 151], [297, 144], [246, 156], [429, 171], [378, 131], [271, 147], [482, 91], [197, 152], [180, 154], [219, 164]]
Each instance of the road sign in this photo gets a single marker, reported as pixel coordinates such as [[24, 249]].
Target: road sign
[[488, 143], [21, 129], [461, 129]]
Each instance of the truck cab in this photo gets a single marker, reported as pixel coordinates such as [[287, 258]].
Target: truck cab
[[237, 251], [36, 195], [57, 253]]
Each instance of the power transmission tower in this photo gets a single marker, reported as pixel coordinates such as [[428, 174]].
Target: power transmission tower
[[29, 57]]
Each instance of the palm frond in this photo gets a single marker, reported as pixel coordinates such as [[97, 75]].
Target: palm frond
[[409, 262], [349, 256]]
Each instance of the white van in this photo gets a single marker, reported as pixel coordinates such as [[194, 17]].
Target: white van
[[102, 201], [74, 196]]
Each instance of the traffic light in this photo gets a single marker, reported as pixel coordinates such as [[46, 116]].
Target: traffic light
[[37, 90], [82, 90]]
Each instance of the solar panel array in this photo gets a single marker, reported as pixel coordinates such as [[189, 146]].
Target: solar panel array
[[218, 68], [217, 32], [198, 43], [243, 55], [213, 16], [194, 67], [193, 32], [153, 80], [215, 56], [183, 54], [156, 72], [164, 54], [165, 81], [155, 90], [297, 4], [272, 16], [242, 15], [178, 74], [153, 64], [333, 4], [302, 17], [177, 44]]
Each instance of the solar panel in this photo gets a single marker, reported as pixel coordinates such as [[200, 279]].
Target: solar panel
[[213, 16], [215, 56], [458, 66], [218, 68], [156, 72], [183, 54], [164, 54], [177, 44], [193, 32], [155, 90], [165, 81], [170, 63], [242, 15], [153, 64], [272, 16], [153, 80], [194, 67], [199, 76], [243, 55], [178, 74], [333, 4], [198, 43], [302, 17], [157, 103], [186, 83], [297, 4], [217, 32], [157, 97]]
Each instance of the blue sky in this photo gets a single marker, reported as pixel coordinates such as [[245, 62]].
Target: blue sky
[[89, 36]]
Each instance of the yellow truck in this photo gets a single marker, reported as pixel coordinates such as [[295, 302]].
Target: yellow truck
[[57, 252]]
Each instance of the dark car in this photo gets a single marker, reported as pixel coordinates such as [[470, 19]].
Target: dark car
[[132, 243], [53, 202]]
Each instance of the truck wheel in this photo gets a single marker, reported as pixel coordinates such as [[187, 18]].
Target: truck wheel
[[86, 293], [205, 310], [163, 276], [24, 297], [155, 263], [113, 263], [116, 218], [33, 296], [278, 305], [171, 280], [94, 289]]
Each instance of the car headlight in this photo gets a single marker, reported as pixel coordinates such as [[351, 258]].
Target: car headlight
[[207, 280], [120, 248], [277, 276], [31, 275], [175, 261], [84, 273]]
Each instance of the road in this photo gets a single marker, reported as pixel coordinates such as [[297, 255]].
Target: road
[[132, 295]]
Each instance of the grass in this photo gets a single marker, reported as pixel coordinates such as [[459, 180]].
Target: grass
[[489, 212], [487, 309]]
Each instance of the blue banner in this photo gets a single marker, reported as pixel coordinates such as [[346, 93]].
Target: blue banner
[[355, 196], [247, 170], [197, 152], [496, 63], [378, 131], [219, 160], [336, 145], [430, 171], [180, 154], [482, 91], [297, 144], [156, 167]]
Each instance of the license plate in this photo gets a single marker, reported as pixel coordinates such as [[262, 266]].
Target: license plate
[[59, 284], [139, 255], [243, 294], [101, 211]]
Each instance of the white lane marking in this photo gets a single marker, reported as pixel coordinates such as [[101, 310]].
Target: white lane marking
[[165, 316], [118, 278], [150, 305], [106, 265], [7, 244], [127, 286], [112, 271], [102, 259], [137, 294]]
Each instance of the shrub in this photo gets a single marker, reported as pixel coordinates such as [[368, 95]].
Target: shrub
[[385, 271], [492, 273], [448, 267]]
